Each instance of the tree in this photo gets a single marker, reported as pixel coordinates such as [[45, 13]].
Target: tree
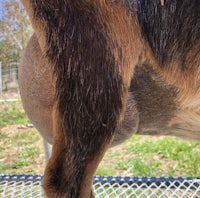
[[15, 31]]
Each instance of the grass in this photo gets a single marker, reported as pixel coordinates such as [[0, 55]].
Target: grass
[[163, 156], [12, 113], [21, 151]]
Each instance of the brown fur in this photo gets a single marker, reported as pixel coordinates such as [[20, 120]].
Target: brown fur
[[113, 76], [37, 25], [127, 38], [36, 85]]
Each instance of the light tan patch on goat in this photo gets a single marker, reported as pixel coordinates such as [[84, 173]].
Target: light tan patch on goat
[[124, 36], [162, 2], [188, 117]]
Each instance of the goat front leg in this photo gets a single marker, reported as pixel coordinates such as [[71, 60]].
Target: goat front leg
[[75, 157], [68, 174]]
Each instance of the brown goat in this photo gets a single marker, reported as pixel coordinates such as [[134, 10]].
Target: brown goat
[[98, 71]]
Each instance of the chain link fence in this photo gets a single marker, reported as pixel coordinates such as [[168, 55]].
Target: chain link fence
[[8, 77], [21, 186]]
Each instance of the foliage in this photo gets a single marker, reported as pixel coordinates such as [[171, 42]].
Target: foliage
[[15, 31]]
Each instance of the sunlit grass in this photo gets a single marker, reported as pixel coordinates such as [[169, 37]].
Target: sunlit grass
[[164, 156], [21, 151], [12, 113]]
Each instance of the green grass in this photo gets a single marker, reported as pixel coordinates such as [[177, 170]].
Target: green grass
[[141, 167], [20, 164], [23, 139], [168, 148], [12, 113], [147, 156], [106, 171], [21, 151]]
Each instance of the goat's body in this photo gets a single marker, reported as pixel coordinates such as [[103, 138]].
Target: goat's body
[[119, 68]]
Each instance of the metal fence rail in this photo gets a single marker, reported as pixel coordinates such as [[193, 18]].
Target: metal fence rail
[[8, 77], [26, 186]]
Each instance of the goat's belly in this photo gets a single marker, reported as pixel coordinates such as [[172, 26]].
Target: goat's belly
[[37, 94], [36, 89], [129, 125]]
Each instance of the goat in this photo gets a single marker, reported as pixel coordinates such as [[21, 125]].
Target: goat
[[98, 71]]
